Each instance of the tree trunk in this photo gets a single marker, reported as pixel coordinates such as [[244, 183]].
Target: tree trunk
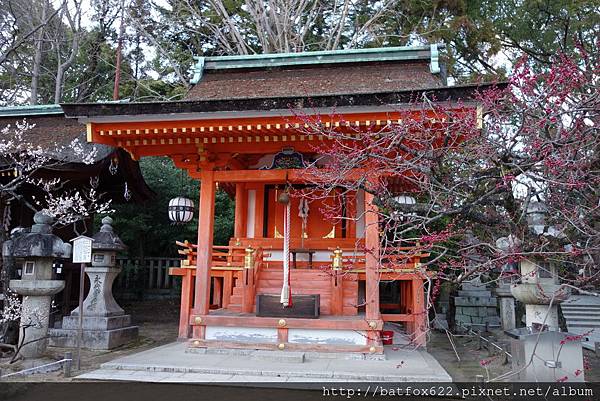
[[4, 259], [74, 23], [37, 58]]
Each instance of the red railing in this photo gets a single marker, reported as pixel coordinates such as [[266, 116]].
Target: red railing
[[227, 266]]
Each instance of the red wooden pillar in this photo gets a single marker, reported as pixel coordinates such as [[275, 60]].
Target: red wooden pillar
[[249, 291], [227, 288], [259, 212], [241, 206], [282, 335], [217, 291], [372, 310], [337, 294], [419, 314], [409, 304], [187, 295], [206, 209]]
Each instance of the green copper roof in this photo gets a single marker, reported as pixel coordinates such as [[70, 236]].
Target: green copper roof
[[37, 110], [405, 53]]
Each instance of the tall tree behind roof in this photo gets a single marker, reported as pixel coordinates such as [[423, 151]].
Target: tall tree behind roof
[[47, 57], [482, 36], [183, 28], [40, 44], [479, 33]]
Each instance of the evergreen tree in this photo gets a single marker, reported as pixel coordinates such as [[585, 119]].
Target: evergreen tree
[[148, 231]]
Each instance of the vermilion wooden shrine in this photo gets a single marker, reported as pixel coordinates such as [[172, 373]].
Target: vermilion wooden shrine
[[232, 130]]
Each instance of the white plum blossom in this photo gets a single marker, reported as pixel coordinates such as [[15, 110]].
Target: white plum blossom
[[71, 207], [25, 164], [85, 155], [12, 308], [21, 160]]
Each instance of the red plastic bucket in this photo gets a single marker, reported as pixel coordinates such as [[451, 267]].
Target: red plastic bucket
[[387, 337]]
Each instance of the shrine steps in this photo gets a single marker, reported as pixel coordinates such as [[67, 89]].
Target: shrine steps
[[582, 315], [302, 282]]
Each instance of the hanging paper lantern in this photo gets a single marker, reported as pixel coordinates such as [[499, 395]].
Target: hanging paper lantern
[[181, 210], [405, 200]]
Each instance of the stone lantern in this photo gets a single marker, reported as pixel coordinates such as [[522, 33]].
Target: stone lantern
[[540, 292], [540, 289], [37, 250], [105, 324]]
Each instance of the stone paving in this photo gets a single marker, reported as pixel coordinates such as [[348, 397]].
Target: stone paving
[[171, 363]]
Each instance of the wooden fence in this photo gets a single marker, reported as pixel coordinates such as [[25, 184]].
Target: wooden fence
[[146, 278]]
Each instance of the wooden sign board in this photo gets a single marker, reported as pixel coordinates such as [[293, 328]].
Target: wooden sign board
[[82, 249]]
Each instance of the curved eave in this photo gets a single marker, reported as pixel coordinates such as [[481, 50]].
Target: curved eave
[[279, 105]]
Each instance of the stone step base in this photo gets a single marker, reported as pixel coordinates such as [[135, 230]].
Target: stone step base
[[590, 325], [284, 356], [581, 312], [93, 339], [171, 362], [579, 306], [95, 322]]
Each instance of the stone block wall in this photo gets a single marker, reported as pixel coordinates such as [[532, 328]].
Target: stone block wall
[[475, 307]]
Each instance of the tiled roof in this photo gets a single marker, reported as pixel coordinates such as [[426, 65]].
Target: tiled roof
[[322, 73], [30, 110], [170, 110], [315, 80], [52, 129]]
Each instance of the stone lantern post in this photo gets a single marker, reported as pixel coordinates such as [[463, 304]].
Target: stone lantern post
[[540, 293], [539, 289], [505, 297], [541, 352], [37, 250], [105, 324]]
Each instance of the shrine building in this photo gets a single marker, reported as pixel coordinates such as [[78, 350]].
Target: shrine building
[[242, 127]]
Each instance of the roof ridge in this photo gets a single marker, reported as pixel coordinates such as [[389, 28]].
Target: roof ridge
[[392, 49], [402, 53], [29, 110]]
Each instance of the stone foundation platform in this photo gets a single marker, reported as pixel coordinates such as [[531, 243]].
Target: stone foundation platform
[[99, 333], [176, 363]]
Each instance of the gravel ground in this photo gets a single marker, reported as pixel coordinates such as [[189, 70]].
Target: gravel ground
[[474, 361], [158, 323]]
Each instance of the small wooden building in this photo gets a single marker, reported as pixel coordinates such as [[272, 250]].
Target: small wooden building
[[239, 127], [113, 173]]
